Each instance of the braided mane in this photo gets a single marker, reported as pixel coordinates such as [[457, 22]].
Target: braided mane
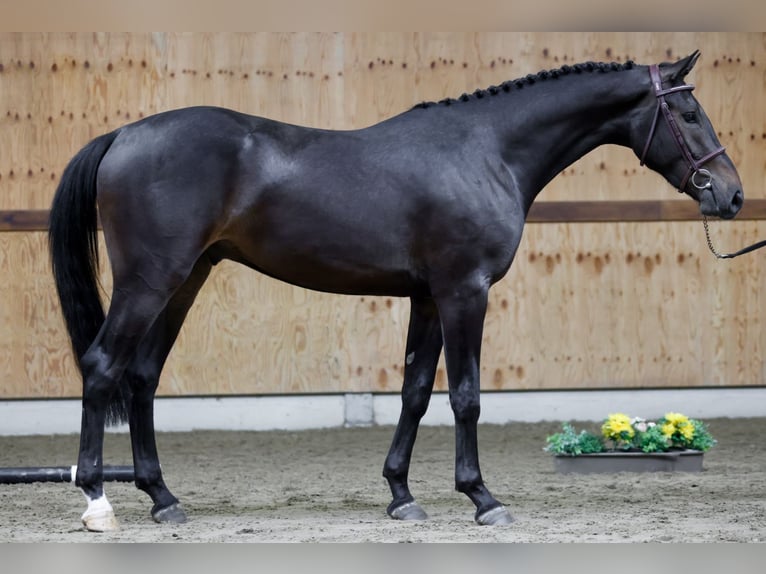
[[530, 79]]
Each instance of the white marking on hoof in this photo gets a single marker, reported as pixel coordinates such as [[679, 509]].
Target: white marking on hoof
[[410, 358], [99, 517]]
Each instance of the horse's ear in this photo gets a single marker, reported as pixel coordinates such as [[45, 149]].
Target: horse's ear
[[677, 71]]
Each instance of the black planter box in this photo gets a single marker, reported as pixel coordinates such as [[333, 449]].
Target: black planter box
[[602, 462]]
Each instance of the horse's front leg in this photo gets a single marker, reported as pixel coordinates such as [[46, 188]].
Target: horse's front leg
[[424, 343], [462, 316]]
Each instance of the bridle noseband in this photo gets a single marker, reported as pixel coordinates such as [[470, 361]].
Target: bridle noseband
[[695, 165]]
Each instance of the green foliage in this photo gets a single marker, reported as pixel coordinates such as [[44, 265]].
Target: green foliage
[[702, 439], [652, 440], [568, 441]]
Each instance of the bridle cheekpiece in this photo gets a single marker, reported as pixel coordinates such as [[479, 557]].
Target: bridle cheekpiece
[[695, 165]]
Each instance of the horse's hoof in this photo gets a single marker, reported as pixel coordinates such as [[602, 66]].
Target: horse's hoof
[[99, 516], [102, 521], [498, 516], [408, 511], [173, 514]]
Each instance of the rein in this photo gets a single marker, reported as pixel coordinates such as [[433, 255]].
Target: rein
[[742, 251], [695, 165]]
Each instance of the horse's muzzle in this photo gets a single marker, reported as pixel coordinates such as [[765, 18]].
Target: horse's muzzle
[[713, 205]]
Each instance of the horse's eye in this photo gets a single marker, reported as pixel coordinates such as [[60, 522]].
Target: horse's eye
[[689, 117]]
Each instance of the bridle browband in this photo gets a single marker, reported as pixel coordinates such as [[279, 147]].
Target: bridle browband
[[695, 165]]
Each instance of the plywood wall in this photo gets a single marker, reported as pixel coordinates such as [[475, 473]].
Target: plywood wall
[[586, 305]]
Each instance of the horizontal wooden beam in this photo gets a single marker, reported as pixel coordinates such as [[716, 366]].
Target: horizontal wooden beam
[[541, 212], [626, 211], [24, 220]]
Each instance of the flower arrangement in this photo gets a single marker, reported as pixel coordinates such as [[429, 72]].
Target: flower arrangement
[[621, 433]]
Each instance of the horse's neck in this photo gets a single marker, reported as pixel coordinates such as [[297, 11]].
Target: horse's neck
[[556, 123]]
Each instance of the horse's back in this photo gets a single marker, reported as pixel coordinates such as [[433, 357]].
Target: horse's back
[[281, 198], [362, 211]]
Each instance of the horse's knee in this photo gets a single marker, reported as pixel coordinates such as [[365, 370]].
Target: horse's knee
[[416, 407], [466, 406], [415, 399]]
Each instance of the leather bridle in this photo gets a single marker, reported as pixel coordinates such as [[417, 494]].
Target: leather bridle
[[695, 170]]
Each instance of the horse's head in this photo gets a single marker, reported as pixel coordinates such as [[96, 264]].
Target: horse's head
[[680, 143]]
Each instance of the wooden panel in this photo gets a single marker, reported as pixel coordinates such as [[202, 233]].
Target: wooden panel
[[246, 334], [58, 90], [617, 305], [35, 360], [586, 305], [623, 305]]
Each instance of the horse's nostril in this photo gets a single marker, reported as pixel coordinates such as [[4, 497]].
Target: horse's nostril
[[737, 200]]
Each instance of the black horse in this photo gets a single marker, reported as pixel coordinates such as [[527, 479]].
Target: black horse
[[429, 204]]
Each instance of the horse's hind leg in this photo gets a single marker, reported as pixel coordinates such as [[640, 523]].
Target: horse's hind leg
[[136, 303], [129, 318], [424, 343], [143, 376]]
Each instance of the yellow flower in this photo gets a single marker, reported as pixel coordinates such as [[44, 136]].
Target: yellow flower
[[678, 423], [617, 427], [676, 419]]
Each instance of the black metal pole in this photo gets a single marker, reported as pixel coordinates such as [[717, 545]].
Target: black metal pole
[[29, 474]]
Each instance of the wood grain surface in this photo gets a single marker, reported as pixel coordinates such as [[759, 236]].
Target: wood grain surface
[[613, 286]]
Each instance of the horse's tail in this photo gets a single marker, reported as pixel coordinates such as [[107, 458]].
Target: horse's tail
[[73, 242]]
